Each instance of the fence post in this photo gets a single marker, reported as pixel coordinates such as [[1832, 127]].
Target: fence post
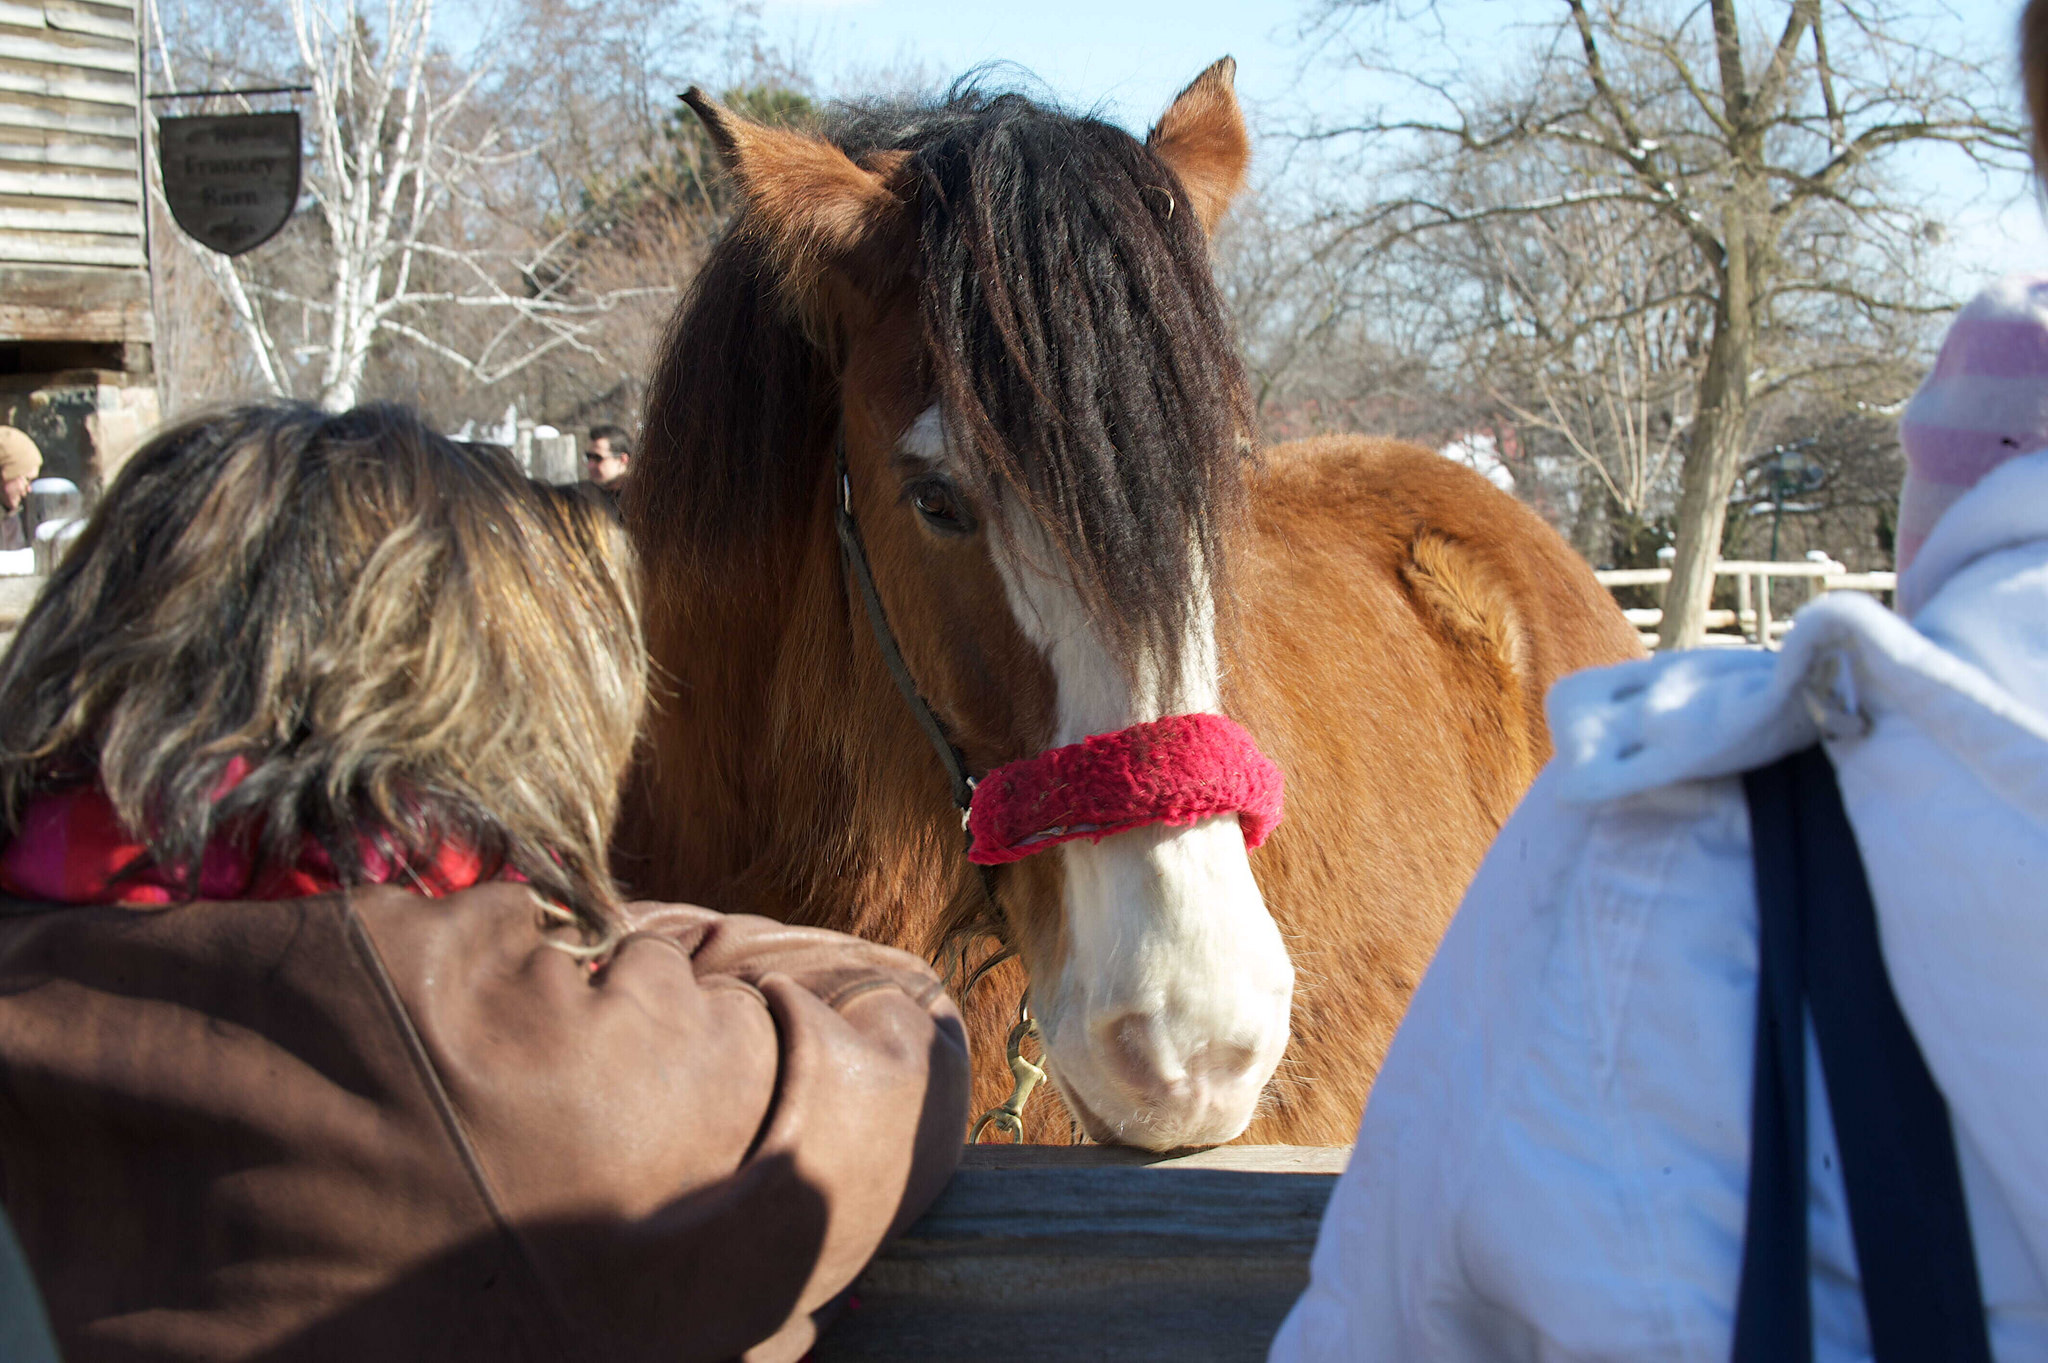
[[555, 459]]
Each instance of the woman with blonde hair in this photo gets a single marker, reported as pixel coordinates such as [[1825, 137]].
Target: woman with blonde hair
[[323, 1032]]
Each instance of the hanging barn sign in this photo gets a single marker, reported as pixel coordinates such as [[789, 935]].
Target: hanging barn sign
[[231, 181]]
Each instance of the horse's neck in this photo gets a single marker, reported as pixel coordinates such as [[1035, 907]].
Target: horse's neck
[[783, 775]]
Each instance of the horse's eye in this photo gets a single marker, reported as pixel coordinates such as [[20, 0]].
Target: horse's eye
[[940, 505]]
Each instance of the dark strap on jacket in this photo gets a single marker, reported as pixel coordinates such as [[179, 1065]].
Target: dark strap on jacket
[[1819, 956]]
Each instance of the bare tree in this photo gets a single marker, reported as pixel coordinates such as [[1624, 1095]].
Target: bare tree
[[1581, 329], [1762, 137], [402, 243], [1331, 343], [1609, 359]]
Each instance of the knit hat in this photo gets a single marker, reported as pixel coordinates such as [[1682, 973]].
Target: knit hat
[[19, 457], [1985, 402]]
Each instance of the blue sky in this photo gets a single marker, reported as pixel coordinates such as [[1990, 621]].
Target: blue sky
[[1129, 57]]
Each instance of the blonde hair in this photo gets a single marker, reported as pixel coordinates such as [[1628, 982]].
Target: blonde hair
[[390, 630]]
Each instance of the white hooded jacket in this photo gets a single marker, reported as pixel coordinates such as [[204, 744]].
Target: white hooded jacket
[[1554, 1161]]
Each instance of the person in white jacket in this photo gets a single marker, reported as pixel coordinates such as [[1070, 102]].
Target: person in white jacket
[[1555, 1158]]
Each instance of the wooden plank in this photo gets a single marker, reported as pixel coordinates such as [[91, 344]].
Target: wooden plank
[[1632, 577], [1861, 582], [1068, 1253], [131, 214], [70, 153], [67, 220], [58, 184], [1649, 617], [80, 52], [64, 303], [97, 251], [67, 83], [25, 248], [87, 19], [1261, 1159], [75, 324], [63, 116], [1729, 567], [58, 287], [102, 21]]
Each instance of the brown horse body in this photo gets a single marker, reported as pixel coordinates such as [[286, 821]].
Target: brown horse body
[[1402, 620], [1389, 626]]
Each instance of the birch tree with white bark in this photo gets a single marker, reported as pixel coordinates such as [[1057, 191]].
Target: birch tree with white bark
[[398, 243]]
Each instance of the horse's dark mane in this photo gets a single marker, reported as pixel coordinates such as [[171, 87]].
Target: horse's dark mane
[[1075, 340]]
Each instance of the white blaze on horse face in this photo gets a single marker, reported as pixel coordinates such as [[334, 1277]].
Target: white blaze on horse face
[[1171, 1012]]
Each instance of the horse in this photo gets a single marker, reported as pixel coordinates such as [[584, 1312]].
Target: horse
[[970, 353]]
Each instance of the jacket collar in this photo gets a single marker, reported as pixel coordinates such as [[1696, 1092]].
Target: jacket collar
[[1710, 713]]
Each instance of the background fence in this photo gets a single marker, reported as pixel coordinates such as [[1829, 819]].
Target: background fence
[[1753, 622]]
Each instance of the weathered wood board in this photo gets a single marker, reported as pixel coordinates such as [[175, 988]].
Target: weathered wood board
[[1096, 1253], [71, 192], [45, 303]]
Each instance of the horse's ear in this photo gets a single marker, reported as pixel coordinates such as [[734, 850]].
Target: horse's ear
[[1202, 136], [824, 216]]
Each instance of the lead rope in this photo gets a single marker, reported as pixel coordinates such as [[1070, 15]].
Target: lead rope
[[1009, 1117]]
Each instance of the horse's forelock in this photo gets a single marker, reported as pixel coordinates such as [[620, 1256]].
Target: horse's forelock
[[1082, 355]]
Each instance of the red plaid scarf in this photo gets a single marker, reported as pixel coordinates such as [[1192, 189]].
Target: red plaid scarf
[[72, 849]]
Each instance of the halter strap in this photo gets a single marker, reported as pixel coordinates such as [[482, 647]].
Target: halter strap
[[855, 555], [853, 552]]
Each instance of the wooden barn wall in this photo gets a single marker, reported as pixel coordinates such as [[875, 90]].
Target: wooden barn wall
[[73, 264]]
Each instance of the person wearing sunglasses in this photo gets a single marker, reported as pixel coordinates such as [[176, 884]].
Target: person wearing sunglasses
[[607, 458]]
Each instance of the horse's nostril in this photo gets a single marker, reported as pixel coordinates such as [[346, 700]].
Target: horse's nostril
[[1136, 1051], [1131, 1045], [1222, 1062]]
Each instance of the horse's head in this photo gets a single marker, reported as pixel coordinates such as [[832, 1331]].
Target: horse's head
[[1046, 432]]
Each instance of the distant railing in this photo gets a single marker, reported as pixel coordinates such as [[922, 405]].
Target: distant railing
[[1751, 623]]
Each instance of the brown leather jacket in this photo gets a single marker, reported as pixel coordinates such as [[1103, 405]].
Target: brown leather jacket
[[379, 1127]]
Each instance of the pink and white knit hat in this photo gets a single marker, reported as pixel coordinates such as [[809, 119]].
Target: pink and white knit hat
[[1985, 402]]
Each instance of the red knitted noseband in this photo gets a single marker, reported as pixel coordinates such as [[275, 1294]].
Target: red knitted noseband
[[1177, 770]]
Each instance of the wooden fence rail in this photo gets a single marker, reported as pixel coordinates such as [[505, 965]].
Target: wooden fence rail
[[1751, 620], [1064, 1253]]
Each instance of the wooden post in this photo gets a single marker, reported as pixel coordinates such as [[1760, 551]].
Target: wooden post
[[1763, 609], [1745, 611], [1062, 1253], [555, 459]]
